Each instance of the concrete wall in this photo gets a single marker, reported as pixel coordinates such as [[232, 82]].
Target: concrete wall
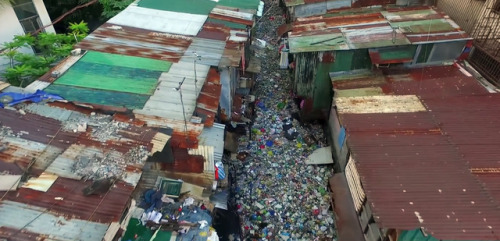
[[10, 26]]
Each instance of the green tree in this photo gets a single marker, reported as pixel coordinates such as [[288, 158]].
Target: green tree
[[50, 47]]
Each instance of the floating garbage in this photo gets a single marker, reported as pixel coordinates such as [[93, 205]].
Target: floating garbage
[[277, 195]]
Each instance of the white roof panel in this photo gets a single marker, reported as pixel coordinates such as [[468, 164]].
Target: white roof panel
[[160, 21]]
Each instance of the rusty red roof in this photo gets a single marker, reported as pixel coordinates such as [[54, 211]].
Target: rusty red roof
[[117, 39], [436, 169], [104, 208], [208, 100], [46, 134]]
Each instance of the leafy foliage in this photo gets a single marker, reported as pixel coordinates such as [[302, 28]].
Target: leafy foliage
[[25, 68], [113, 7]]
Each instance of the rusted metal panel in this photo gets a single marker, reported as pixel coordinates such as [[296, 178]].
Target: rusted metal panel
[[13, 234], [366, 3], [214, 31], [392, 150], [37, 128], [53, 226], [185, 163], [346, 219], [66, 198], [119, 39], [231, 55], [208, 100]]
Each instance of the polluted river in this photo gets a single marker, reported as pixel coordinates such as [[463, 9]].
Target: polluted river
[[275, 195]]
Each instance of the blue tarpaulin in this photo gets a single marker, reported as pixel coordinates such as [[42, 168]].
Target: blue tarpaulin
[[11, 98]]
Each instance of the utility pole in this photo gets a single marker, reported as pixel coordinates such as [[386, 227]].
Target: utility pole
[[179, 89]]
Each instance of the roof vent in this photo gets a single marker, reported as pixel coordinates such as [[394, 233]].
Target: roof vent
[[55, 74]]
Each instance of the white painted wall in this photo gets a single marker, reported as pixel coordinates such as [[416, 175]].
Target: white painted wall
[[10, 26]]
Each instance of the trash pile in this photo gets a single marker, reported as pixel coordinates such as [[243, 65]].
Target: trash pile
[[165, 212], [277, 195], [100, 165]]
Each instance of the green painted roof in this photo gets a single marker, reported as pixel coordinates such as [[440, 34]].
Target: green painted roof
[[112, 72], [99, 97], [203, 7], [227, 23], [110, 80], [126, 61]]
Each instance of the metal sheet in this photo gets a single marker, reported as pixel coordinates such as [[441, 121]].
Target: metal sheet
[[373, 36], [66, 198], [326, 42], [41, 183], [207, 105], [379, 104], [204, 51], [60, 68], [211, 146], [36, 220], [392, 150], [312, 9], [347, 222], [160, 21], [9, 182], [139, 42], [166, 101], [232, 12]]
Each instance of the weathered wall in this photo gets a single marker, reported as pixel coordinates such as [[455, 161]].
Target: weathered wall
[[10, 26]]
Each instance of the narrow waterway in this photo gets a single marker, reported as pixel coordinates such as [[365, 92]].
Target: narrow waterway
[[276, 195]]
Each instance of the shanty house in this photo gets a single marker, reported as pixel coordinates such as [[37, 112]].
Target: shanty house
[[416, 152], [366, 38], [173, 68]]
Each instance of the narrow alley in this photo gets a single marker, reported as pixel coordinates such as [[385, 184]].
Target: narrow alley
[[276, 194]]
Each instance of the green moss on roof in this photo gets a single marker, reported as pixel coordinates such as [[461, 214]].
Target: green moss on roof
[[203, 7], [227, 23]]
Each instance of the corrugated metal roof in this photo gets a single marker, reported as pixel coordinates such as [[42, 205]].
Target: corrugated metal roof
[[117, 39], [110, 79], [20, 217], [232, 15], [210, 146], [416, 167], [61, 68], [166, 101], [207, 104], [160, 21], [214, 31], [358, 29], [49, 204], [65, 198], [199, 6]]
